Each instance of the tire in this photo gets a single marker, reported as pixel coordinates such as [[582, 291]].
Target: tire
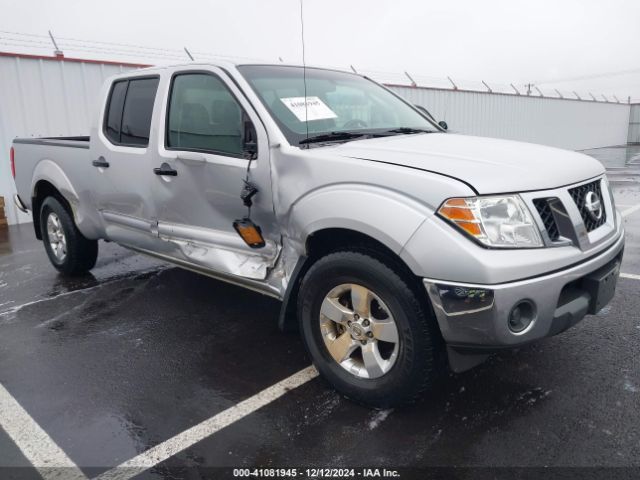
[[402, 371], [68, 250]]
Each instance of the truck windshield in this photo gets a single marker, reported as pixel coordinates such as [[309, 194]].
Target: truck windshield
[[339, 106]]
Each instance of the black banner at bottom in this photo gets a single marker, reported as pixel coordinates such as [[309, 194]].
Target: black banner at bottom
[[304, 473]]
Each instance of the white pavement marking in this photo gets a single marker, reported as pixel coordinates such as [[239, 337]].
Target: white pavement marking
[[193, 435], [43, 453], [629, 211], [632, 276]]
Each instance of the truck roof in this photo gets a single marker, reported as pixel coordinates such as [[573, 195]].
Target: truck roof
[[228, 64]]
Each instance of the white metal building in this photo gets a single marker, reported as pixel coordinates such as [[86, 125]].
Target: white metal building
[[565, 123], [42, 96], [46, 96]]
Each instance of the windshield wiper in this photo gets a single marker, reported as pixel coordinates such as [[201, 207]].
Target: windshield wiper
[[331, 136], [408, 130]]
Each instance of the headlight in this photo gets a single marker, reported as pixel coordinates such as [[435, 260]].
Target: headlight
[[501, 221]]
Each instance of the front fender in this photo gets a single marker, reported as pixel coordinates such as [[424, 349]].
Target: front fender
[[385, 215]]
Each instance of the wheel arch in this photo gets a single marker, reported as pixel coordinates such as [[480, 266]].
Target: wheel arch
[[41, 190], [332, 239], [50, 180]]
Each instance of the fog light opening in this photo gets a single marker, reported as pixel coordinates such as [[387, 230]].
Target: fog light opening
[[521, 316]]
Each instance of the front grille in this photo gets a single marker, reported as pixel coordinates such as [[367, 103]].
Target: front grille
[[544, 209], [579, 195]]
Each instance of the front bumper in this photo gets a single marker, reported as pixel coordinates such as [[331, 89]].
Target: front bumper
[[475, 317]]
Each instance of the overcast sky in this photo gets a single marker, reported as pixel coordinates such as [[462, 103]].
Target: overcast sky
[[500, 41]]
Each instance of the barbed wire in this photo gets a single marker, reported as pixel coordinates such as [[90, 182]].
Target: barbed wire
[[33, 41], [70, 44], [592, 76]]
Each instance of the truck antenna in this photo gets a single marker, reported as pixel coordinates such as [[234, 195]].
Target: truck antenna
[[304, 71]]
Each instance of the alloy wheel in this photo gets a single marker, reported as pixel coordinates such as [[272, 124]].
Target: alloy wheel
[[56, 236], [359, 331]]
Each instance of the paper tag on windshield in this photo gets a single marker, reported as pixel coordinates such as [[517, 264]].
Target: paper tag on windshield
[[315, 109]]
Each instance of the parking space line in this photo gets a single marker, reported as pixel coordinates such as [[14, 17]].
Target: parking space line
[[632, 276], [195, 434], [38, 447], [631, 210]]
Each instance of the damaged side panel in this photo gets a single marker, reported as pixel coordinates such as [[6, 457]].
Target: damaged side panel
[[219, 251], [197, 206], [281, 274], [314, 190]]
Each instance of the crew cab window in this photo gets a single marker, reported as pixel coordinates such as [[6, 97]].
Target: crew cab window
[[128, 120], [114, 111], [205, 116]]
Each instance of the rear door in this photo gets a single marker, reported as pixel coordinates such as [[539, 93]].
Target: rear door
[[200, 164], [122, 158]]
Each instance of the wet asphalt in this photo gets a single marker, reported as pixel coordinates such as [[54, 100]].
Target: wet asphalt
[[117, 361]]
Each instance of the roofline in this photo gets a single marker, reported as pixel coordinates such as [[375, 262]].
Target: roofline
[[506, 94], [295, 65], [73, 60], [145, 65], [418, 87]]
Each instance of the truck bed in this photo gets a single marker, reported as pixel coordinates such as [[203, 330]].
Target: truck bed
[[62, 161], [74, 142]]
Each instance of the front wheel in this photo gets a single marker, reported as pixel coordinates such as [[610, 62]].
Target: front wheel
[[367, 331], [69, 251]]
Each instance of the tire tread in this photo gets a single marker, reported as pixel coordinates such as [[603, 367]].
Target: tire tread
[[82, 252]]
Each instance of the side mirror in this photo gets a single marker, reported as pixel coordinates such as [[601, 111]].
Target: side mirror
[[250, 150], [443, 125], [249, 143]]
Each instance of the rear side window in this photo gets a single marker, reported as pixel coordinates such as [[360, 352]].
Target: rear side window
[[129, 111], [114, 111]]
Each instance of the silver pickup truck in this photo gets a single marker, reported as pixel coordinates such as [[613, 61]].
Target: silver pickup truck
[[397, 249]]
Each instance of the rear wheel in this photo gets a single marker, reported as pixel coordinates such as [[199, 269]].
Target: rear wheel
[[68, 250], [367, 331]]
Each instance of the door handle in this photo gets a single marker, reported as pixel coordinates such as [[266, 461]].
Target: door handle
[[100, 162], [165, 169]]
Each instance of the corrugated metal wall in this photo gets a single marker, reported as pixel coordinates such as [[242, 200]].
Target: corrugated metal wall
[[570, 124], [634, 124], [44, 98]]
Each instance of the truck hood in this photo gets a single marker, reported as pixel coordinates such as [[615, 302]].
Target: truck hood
[[489, 165]]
